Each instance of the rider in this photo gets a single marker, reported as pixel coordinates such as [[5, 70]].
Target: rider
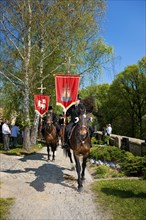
[[74, 111], [50, 112]]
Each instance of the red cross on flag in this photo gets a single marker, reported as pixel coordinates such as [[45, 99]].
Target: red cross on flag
[[41, 103], [67, 86]]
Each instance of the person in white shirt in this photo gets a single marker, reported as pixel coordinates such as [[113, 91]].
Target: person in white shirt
[[6, 134], [109, 130]]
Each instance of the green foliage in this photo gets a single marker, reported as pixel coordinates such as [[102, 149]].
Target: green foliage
[[134, 166], [50, 41], [94, 140], [102, 171], [123, 102], [106, 153], [131, 165]]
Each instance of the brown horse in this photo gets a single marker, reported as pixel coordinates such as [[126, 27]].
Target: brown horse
[[51, 137], [80, 143]]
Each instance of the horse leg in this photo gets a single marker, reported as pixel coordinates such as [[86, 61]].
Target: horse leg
[[83, 168], [78, 169], [53, 156], [70, 157], [53, 151], [48, 150]]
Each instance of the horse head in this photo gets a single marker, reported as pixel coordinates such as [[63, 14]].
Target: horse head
[[49, 120], [83, 126]]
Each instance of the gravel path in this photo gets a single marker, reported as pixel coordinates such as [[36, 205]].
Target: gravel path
[[47, 190]]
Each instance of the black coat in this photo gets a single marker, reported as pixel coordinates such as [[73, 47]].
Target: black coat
[[75, 111]]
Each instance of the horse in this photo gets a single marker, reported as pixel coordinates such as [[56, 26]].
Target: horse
[[80, 144], [51, 137]]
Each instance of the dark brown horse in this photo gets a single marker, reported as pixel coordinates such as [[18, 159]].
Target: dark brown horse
[[51, 137], [80, 143]]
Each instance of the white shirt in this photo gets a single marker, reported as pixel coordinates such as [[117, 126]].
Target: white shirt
[[5, 129], [109, 130]]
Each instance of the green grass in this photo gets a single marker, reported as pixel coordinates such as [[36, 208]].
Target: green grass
[[125, 199], [5, 207], [20, 151]]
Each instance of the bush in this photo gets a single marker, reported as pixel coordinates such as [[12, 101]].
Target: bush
[[109, 153], [131, 165], [102, 171], [134, 166]]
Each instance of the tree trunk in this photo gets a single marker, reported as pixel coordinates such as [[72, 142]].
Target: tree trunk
[[26, 138], [34, 130]]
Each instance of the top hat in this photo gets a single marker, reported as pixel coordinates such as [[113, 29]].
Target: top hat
[[50, 108]]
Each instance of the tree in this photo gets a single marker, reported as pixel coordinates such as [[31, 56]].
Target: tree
[[37, 35], [128, 96]]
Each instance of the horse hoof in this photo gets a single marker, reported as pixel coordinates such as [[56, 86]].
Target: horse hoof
[[80, 189], [72, 168]]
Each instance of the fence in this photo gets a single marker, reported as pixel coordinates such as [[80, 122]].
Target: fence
[[133, 145]]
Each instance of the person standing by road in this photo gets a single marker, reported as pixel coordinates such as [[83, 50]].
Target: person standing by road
[[109, 130], [14, 135], [6, 134]]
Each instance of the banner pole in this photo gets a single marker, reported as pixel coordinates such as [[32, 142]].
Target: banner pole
[[64, 116]]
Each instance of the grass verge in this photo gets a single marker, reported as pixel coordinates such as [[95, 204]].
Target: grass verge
[[5, 207], [20, 151], [125, 198]]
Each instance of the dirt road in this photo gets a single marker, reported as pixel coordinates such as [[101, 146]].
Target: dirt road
[[47, 190]]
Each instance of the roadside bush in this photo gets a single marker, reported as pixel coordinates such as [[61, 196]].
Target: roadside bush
[[94, 140], [134, 166], [107, 153], [130, 165], [102, 171]]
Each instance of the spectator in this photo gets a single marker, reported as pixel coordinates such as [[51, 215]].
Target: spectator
[[108, 130], [6, 134], [14, 135]]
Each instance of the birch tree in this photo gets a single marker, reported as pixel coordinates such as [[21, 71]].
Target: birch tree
[[38, 35]]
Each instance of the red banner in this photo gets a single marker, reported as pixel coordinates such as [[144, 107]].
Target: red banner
[[41, 103], [67, 86]]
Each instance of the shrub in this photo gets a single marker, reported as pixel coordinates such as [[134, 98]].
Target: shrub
[[94, 140], [134, 166], [106, 153], [102, 171], [100, 153]]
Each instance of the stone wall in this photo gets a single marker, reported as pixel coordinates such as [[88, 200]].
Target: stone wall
[[135, 146]]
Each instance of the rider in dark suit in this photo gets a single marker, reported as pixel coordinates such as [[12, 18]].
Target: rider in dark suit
[[74, 111], [50, 112]]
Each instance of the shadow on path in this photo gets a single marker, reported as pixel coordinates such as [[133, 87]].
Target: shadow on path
[[123, 193], [47, 173], [36, 156]]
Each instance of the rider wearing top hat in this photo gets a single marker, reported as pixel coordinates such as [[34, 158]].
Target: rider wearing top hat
[[51, 113], [74, 111]]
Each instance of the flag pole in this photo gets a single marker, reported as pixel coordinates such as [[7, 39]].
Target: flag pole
[[69, 64]]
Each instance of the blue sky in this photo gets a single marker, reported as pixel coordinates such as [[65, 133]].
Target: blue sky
[[125, 30]]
